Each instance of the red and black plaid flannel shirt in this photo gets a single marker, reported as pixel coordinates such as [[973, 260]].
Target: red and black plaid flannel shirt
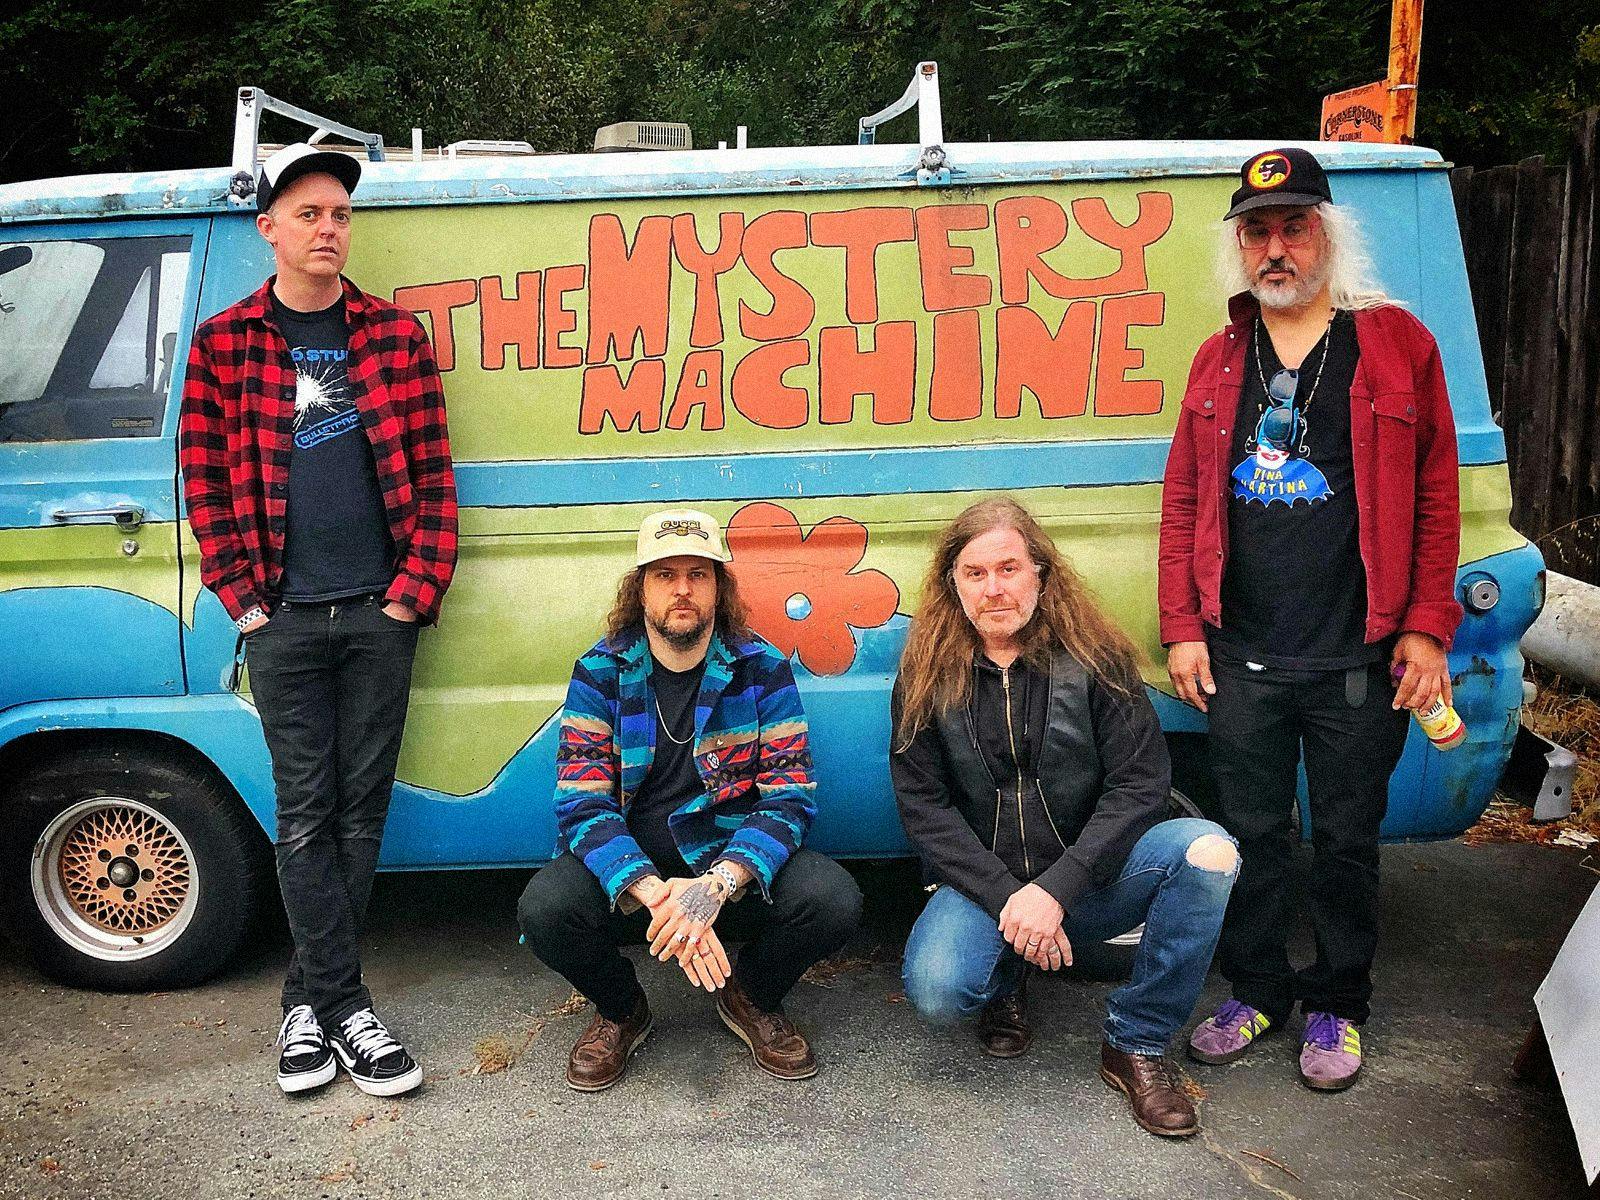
[[236, 429]]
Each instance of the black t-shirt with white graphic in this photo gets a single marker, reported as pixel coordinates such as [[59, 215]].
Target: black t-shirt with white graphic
[[673, 780], [337, 541], [1294, 594]]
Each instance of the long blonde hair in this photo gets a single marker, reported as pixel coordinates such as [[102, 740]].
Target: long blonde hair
[[936, 668]]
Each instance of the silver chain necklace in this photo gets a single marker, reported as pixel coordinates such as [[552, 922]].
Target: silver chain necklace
[[667, 729], [1326, 340]]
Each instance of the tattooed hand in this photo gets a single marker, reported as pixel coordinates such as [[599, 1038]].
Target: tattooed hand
[[701, 901], [680, 928]]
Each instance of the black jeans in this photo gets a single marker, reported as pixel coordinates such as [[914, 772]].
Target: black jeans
[[331, 682], [1352, 739], [569, 924]]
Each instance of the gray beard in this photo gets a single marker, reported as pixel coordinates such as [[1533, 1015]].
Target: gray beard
[[1303, 290]]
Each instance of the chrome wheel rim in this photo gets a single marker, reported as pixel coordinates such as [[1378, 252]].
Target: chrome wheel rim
[[114, 879]]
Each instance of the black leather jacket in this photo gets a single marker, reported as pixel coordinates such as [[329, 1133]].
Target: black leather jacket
[[1044, 777]]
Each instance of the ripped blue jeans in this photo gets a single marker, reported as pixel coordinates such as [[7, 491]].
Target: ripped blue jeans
[[957, 961]]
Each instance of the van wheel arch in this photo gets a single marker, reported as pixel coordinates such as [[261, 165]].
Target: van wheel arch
[[132, 863]]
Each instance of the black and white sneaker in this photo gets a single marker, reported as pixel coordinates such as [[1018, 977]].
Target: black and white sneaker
[[377, 1063], [307, 1060]]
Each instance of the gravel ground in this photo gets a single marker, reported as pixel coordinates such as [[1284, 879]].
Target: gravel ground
[[128, 1097]]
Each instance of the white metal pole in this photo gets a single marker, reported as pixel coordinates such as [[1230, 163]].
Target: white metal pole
[[930, 119], [743, 136], [246, 123], [416, 143]]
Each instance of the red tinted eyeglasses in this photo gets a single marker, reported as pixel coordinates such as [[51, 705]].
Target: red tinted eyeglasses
[[1296, 231]]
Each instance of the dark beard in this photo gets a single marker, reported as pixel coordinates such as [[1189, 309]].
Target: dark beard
[[680, 641]]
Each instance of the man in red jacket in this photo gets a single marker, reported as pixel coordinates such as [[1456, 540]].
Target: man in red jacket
[[1310, 529], [317, 474]]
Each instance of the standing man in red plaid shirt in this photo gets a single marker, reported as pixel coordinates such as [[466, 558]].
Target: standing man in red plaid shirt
[[316, 470]]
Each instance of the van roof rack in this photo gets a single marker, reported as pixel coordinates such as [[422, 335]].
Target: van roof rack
[[922, 93], [253, 102]]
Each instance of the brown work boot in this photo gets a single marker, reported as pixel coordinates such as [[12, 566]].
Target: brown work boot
[[777, 1046], [602, 1050], [1003, 1029], [1160, 1105]]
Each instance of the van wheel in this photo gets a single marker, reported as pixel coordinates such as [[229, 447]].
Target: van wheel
[[1112, 960], [128, 869]]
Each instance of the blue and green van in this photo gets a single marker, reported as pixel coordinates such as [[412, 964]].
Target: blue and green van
[[832, 349]]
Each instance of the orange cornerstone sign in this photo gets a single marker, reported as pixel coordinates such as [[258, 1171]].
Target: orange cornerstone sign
[[1357, 115]]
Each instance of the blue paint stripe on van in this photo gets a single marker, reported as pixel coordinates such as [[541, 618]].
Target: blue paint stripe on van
[[902, 471], [905, 471], [37, 478]]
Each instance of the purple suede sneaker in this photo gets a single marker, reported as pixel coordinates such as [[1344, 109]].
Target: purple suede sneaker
[[1330, 1060], [1228, 1034]]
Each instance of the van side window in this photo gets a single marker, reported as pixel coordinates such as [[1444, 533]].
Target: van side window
[[88, 336]]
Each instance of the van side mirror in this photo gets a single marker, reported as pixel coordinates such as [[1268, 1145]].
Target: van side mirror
[[13, 257]]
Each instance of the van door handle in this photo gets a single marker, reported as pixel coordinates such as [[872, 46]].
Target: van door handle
[[127, 516]]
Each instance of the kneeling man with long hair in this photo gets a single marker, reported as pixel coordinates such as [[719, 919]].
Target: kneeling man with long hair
[[1033, 780]]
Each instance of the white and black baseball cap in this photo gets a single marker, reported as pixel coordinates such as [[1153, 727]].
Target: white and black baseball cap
[[288, 164], [681, 531]]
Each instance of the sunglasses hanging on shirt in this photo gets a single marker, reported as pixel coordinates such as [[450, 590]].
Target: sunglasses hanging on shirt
[[1279, 417]]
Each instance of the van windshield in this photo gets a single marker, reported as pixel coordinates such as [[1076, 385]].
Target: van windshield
[[88, 336]]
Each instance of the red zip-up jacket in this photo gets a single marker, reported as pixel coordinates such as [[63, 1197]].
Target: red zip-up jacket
[[236, 428], [1408, 505]]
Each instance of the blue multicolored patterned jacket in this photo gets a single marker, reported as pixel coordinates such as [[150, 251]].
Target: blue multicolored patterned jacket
[[751, 748]]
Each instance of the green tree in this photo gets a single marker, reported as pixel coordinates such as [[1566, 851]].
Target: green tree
[[1495, 90], [92, 85], [1180, 68], [102, 86]]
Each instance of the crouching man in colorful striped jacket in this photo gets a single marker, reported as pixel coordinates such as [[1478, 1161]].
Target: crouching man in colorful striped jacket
[[683, 785]]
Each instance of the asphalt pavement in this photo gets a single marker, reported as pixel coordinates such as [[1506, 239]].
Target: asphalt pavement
[[161, 1097]]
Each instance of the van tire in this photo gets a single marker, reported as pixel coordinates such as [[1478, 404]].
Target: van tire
[[169, 914]]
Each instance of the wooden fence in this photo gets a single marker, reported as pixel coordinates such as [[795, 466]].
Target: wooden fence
[[1533, 258], [1532, 238]]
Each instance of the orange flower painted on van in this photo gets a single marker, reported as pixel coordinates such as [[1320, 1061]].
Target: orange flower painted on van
[[803, 590]]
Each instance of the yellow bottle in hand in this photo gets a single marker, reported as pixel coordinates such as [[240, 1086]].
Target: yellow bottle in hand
[[1441, 723]]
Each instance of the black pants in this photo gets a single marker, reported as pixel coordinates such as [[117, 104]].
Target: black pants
[[568, 922], [331, 683], [1352, 739]]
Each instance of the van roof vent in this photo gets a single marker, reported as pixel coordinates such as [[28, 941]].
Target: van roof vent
[[644, 135], [484, 148]]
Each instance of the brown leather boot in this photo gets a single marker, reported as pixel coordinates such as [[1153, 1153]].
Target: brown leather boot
[[1160, 1105], [602, 1051], [777, 1046], [1003, 1029]]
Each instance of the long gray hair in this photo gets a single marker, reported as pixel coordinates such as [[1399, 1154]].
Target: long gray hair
[[1352, 281]]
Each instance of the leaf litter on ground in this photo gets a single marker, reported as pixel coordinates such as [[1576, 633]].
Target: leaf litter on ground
[[1570, 717]]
